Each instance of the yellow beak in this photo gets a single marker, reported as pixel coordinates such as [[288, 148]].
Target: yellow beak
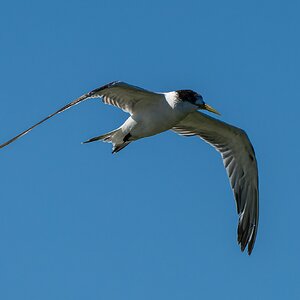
[[211, 109]]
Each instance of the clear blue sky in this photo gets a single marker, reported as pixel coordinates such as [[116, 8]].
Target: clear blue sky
[[157, 220]]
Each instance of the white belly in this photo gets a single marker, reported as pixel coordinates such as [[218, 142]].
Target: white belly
[[153, 119]]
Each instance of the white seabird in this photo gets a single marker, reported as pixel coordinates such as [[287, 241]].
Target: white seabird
[[152, 113]]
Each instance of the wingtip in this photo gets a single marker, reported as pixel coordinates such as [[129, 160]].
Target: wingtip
[[246, 239]]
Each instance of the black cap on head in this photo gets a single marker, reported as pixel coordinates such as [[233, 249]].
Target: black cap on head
[[188, 95]]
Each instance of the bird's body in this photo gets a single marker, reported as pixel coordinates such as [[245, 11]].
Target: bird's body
[[152, 113], [151, 116]]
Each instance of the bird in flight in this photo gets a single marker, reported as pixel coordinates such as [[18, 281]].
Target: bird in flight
[[152, 113]]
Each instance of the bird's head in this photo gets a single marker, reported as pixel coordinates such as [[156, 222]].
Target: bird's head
[[195, 99]]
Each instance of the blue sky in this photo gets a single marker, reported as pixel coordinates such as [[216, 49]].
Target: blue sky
[[157, 220]]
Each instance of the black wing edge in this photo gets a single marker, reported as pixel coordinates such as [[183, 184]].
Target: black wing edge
[[69, 105], [247, 236], [104, 87]]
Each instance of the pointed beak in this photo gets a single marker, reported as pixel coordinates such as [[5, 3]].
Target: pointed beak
[[209, 108]]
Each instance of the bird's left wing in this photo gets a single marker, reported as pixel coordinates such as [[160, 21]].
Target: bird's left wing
[[117, 93], [124, 96], [240, 163]]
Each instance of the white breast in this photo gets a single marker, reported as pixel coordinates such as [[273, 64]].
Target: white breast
[[156, 117]]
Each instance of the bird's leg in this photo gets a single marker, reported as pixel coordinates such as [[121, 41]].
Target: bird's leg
[[127, 137]]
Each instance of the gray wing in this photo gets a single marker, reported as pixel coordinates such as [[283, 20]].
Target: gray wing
[[124, 96], [240, 163], [116, 93]]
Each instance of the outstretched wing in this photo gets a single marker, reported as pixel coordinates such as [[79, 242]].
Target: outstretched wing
[[124, 96], [116, 93], [76, 101], [240, 163]]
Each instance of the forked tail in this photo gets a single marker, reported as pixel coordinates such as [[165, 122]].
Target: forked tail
[[107, 137], [116, 137]]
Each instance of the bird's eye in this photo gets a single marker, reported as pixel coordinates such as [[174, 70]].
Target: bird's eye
[[199, 100]]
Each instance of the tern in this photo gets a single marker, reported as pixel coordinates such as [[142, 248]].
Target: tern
[[152, 113]]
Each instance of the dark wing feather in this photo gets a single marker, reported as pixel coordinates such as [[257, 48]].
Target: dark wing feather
[[240, 163], [76, 101]]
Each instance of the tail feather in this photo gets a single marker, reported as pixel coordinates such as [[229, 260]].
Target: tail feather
[[105, 137], [116, 137], [119, 147]]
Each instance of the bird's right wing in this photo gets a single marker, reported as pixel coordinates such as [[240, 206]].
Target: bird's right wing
[[117, 93], [240, 163]]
